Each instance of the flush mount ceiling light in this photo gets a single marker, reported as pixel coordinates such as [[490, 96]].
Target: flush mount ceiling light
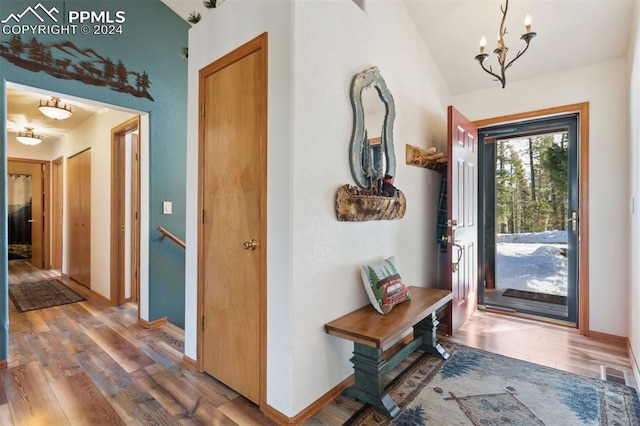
[[28, 137], [55, 109], [501, 50]]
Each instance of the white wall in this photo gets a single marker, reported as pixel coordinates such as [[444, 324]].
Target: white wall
[[220, 32], [334, 41], [634, 179], [95, 133], [605, 87]]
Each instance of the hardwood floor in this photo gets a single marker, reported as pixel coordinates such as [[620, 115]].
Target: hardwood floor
[[87, 363], [555, 346]]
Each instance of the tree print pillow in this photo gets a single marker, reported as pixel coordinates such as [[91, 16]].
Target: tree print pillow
[[384, 285]]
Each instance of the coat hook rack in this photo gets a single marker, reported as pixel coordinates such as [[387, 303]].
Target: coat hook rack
[[428, 158]]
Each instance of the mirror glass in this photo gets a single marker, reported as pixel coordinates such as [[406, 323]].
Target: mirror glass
[[374, 112]]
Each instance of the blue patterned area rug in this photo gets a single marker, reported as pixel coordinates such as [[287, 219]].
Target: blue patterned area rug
[[475, 387]]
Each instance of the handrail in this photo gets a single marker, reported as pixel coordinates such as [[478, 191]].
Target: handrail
[[172, 237]]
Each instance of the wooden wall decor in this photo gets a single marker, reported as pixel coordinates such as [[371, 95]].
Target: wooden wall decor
[[372, 160], [427, 158], [352, 206], [68, 62]]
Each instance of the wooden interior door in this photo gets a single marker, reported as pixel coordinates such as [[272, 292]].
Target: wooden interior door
[[124, 142], [462, 211], [73, 216], [118, 212], [56, 213], [135, 217], [79, 217], [233, 230], [37, 217], [85, 218]]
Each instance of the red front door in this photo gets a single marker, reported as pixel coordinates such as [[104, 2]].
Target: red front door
[[462, 211]]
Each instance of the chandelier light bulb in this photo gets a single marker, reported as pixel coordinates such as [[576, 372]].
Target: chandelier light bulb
[[527, 23], [483, 44]]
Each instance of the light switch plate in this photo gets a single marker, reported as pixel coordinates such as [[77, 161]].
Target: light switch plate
[[167, 207]]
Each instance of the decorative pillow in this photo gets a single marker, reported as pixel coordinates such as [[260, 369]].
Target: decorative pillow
[[384, 285]]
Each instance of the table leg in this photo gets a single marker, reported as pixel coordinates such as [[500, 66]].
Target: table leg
[[369, 368], [427, 330]]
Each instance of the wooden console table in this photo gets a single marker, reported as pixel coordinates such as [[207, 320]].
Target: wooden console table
[[371, 333]]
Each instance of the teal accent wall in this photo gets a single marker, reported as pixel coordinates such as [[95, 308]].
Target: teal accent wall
[[151, 41]]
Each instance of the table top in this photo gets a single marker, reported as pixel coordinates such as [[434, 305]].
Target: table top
[[371, 328]]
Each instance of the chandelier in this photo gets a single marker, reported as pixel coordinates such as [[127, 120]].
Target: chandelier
[[28, 137], [501, 50], [55, 109]]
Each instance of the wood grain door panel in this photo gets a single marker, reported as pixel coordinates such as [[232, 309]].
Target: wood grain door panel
[[73, 216], [37, 217], [79, 217], [85, 217], [233, 162], [56, 214]]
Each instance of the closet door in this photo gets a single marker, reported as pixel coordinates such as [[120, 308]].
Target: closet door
[[85, 218], [73, 216], [79, 217]]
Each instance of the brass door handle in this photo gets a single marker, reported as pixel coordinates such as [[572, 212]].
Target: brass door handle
[[30, 220], [454, 265], [250, 245]]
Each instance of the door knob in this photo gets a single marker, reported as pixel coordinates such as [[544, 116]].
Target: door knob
[[30, 220], [250, 245]]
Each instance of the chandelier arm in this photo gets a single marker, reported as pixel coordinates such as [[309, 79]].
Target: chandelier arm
[[489, 71], [520, 53]]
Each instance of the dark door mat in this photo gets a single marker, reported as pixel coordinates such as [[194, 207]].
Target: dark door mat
[[42, 294], [540, 297], [19, 251]]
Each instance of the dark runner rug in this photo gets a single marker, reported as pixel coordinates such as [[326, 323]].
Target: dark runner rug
[[540, 297], [40, 295], [475, 387]]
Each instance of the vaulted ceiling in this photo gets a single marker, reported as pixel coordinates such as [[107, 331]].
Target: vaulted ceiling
[[571, 33]]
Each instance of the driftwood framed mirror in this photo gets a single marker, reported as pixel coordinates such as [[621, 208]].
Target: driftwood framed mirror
[[371, 154]]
